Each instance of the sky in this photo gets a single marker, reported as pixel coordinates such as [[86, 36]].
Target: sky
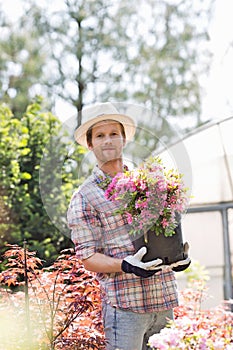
[[217, 97]]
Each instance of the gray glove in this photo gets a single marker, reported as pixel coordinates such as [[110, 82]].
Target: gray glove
[[134, 264]]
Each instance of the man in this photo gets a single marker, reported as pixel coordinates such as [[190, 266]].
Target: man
[[138, 298]]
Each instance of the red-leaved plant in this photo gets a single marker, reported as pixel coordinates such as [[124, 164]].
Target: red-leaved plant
[[53, 308]]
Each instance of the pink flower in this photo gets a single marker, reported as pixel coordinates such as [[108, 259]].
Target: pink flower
[[164, 222], [129, 218], [150, 196]]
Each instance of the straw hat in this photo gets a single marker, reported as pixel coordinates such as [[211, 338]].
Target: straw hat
[[99, 112]]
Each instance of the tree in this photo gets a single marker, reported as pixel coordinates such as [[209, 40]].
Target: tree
[[21, 63], [150, 53], [77, 37], [165, 57], [28, 188]]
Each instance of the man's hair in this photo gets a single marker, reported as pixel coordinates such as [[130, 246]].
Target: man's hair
[[89, 132]]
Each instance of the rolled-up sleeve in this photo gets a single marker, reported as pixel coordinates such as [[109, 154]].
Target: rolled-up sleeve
[[85, 227]]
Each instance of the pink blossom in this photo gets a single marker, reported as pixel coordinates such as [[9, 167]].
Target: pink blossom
[[194, 328], [150, 195], [129, 218], [164, 222]]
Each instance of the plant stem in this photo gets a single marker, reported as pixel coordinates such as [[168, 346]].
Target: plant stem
[[27, 313]]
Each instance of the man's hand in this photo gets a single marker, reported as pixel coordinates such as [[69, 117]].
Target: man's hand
[[134, 264], [180, 265]]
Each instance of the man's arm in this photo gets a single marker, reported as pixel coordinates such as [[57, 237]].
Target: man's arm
[[130, 264], [102, 263]]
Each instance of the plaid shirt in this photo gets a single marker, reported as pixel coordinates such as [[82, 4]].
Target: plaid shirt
[[95, 228]]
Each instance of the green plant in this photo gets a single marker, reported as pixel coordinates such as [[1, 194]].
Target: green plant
[[36, 174]]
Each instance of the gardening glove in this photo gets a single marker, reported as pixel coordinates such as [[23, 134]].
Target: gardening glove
[[180, 265], [134, 264]]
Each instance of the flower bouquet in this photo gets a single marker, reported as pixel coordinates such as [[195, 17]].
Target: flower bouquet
[[153, 200]]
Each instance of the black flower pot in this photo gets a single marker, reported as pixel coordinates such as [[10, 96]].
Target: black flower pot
[[169, 249]]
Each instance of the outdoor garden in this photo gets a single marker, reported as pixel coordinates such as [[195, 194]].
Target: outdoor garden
[[48, 305], [54, 61]]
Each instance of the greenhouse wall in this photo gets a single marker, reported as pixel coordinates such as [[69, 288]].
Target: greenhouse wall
[[204, 232]]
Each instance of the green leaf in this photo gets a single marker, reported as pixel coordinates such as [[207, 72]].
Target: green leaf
[[26, 176]]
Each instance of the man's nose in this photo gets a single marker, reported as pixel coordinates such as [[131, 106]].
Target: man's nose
[[108, 139]]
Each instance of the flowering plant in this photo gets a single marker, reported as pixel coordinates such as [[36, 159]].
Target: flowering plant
[[194, 328], [150, 196]]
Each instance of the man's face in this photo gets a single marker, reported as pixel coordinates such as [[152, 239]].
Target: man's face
[[107, 141]]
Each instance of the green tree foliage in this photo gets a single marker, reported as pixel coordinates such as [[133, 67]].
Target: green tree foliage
[[165, 54], [21, 62], [161, 64], [27, 188], [78, 38], [147, 52]]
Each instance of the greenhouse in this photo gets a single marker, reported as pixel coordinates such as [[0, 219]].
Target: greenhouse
[[205, 157]]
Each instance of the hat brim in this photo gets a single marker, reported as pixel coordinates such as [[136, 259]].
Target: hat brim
[[127, 122]]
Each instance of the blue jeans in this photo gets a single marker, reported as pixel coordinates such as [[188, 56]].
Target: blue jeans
[[127, 330]]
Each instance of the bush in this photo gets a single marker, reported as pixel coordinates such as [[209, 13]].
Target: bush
[[52, 308]]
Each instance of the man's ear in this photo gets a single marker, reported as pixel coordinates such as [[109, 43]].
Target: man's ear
[[90, 147]]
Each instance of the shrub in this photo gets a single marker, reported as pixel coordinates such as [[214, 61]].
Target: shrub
[[59, 308]]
